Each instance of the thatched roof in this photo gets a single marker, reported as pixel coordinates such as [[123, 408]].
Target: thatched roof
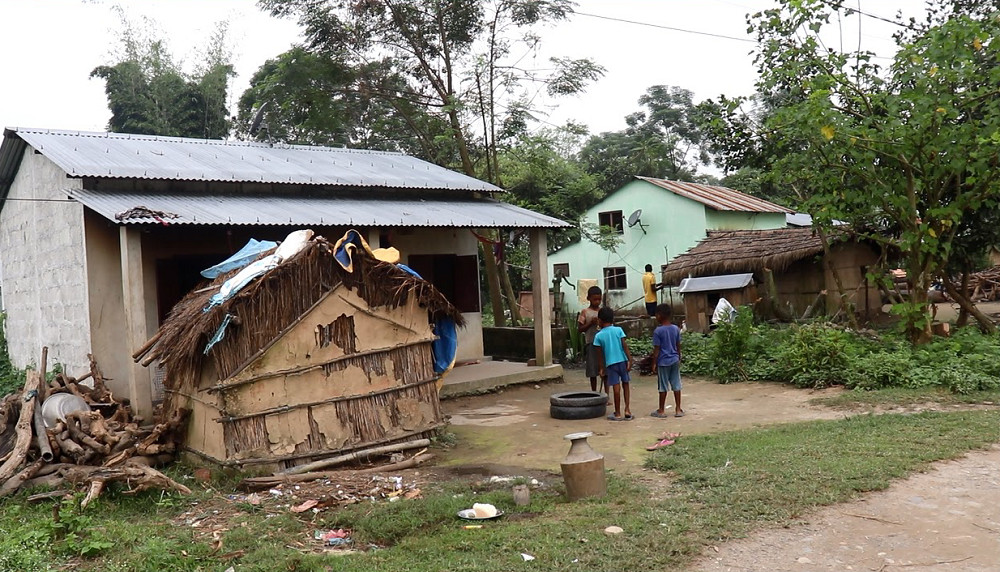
[[270, 304], [735, 251]]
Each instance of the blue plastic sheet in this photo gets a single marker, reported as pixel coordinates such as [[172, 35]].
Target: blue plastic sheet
[[445, 347], [219, 333], [245, 256]]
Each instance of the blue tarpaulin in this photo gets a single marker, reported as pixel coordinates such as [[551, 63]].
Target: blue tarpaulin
[[445, 347], [245, 256]]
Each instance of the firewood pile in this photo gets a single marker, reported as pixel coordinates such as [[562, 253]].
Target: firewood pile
[[77, 447], [985, 285]]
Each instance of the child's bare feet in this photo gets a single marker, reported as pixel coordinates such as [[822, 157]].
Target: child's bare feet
[[680, 413]]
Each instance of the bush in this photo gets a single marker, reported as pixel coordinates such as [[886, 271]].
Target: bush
[[11, 378], [820, 355]]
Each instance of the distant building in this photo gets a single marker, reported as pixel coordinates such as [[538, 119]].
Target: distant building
[[657, 220]]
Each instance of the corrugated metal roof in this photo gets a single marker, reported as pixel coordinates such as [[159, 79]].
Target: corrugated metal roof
[[715, 283], [718, 198], [120, 155], [309, 210]]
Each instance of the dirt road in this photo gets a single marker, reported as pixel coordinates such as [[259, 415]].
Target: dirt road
[[944, 520]]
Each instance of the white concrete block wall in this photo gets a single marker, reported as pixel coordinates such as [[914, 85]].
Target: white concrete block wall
[[44, 275]]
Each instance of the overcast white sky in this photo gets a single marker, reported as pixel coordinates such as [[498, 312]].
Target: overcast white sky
[[49, 47]]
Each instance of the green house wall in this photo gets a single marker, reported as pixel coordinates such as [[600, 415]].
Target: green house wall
[[673, 224]]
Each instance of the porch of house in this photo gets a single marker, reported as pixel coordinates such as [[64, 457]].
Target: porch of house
[[487, 375]]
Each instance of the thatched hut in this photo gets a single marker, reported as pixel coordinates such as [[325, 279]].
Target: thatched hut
[[792, 259], [311, 358]]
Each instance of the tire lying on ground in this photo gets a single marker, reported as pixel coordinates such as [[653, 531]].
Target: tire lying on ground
[[578, 405]]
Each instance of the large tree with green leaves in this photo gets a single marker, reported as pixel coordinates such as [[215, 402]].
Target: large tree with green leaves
[[903, 152], [458, 61], [664, 141], [309, 98], [148, 92]]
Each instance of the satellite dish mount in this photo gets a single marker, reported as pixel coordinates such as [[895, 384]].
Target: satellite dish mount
[[636, 219]]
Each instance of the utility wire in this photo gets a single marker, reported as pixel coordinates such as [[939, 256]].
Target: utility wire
[[662, 27]]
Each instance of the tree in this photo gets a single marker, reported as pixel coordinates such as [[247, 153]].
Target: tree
[[320, 99], [457, 62], [148, 93], [663, 141], [902, 152]]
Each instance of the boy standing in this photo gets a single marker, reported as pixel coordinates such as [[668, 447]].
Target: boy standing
[[615, 359], [588, 326], [667, 360], [649, 289]]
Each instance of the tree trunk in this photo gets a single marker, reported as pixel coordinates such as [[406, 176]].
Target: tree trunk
[[963, 314], [508, 291], [493, 284], [985, 323], [918, 329], [847, 306]]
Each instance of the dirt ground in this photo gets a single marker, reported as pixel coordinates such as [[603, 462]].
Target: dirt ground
[[945, 519]]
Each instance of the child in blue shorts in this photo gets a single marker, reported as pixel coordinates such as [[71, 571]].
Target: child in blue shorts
[[667, 360], [615, 360]]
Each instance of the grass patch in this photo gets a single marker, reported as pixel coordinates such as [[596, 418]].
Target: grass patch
[[713, 487], [902, 396]]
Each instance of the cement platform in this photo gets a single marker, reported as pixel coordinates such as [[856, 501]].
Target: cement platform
[[488, 375]]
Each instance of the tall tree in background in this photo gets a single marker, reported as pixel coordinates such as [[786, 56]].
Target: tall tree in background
[[148, 93], [903, 153], [662, 141], [458, 62], [311, 98]]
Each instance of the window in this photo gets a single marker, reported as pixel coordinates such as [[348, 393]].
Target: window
[[561, 269], [612, 219], [614, 278]]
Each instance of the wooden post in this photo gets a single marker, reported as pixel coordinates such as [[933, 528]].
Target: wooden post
[[136, 330], [540, 296]]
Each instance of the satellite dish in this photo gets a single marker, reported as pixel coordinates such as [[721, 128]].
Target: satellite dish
[[634, 219]]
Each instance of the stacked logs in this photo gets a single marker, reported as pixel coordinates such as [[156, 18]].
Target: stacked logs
[[985, 285], [85, 449]]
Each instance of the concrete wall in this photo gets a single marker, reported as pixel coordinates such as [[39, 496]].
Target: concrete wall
[[730, 220], [673, 225], [44, 277]]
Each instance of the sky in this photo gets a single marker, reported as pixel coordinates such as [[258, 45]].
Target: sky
[[49, 48]]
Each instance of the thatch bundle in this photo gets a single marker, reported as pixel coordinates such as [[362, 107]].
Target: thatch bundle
[[736, 251], [271, 304]]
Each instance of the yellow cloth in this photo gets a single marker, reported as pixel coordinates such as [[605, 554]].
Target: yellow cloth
[[648, 280]]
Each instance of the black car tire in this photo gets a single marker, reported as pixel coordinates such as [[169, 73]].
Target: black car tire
[[588, 412], [578, 399]]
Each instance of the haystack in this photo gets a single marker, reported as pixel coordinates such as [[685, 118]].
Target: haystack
[[310, 359]]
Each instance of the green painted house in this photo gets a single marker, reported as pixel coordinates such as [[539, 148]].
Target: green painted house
[[658, 220]]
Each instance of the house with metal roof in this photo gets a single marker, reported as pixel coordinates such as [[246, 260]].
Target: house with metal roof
[[656, 220], [101, 233]]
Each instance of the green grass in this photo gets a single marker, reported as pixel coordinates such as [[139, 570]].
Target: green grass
[[710, 488], [900, 396]]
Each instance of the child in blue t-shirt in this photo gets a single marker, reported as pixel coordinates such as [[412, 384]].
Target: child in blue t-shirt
[[615, 360], [667, 360]]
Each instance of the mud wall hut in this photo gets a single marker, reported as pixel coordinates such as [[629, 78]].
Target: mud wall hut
[[793, 260], [309, 359]]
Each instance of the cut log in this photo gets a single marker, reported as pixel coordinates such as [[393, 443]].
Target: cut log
[[342, 459], [259, 483], [24, 427], [10, 487]]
